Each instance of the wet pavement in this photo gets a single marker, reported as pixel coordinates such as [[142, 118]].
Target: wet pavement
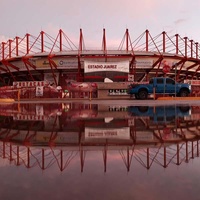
[[194, 101], [100, 149]]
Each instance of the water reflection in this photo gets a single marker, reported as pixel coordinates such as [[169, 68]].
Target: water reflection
[[46, 135]]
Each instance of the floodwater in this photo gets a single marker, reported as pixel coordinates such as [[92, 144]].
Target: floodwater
[[97, 151]]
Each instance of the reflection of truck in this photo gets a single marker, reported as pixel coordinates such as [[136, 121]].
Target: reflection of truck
[[159, 113], [159, 85]]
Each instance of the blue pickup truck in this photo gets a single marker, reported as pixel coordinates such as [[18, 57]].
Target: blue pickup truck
[[159, 85], [160, 114]]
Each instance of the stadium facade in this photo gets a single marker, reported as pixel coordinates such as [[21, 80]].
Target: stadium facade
[[58, 60]]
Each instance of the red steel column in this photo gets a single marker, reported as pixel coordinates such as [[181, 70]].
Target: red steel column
[[18, 156], [27, 43], [81, 41], [43, 159], [127, 39], [81, 157], [11, 158], [61, 160], [3, 50], [42, 41], [192, 150], [185, 38], [164, 34], [191, 43], [28, 157], [176, 43], [79, 57], [10, 42], [165, 158], [128, 160], [186, 159], [17, 46], [178, 154], [104, 41], [60, 34], [105, 157], [197, 44], [148, 159], [4, 149], [147, 40]]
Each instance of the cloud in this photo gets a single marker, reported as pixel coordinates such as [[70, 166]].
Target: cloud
[[92, 17], [180, 21]]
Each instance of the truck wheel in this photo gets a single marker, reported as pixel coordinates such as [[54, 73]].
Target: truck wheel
[[184, 109], [142, 94], [143, 109], [183, 93], [136, 96]]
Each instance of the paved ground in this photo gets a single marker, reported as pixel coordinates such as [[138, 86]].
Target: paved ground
[[124, 102], [118, 102]]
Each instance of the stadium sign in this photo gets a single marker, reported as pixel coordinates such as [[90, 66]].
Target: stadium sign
[[114, 133], [19, 84], [60, 63], [143, 63], [106, 66], [27, 117], [114, 92]]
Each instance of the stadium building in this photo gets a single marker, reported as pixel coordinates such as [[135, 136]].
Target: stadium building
[[59, 61]]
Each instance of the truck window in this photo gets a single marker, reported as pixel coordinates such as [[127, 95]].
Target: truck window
[[170, 81], [160, 81], [151, 81]]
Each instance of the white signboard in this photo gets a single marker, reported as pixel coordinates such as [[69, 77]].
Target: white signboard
[[131, 77], [143, 63], [120, 133], [20, 116], [39, 91], [60, 63], [67, 64], [106, 66], [115, 92], [39, 110], [192, 82], [20, 84]]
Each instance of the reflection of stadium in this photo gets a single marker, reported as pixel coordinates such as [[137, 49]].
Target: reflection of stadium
[[56, 60], [44, 134], [44, 158]]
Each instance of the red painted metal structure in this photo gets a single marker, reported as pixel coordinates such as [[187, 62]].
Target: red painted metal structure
[[183, 51], [63, 140], [147, 157]]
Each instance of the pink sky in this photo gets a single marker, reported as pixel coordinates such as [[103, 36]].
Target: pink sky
[[18, 17]]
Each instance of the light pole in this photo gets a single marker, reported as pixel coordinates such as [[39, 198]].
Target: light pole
[[175, 77]]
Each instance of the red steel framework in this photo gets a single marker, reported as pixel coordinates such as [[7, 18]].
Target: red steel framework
[[45, 157], [160, 47]]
